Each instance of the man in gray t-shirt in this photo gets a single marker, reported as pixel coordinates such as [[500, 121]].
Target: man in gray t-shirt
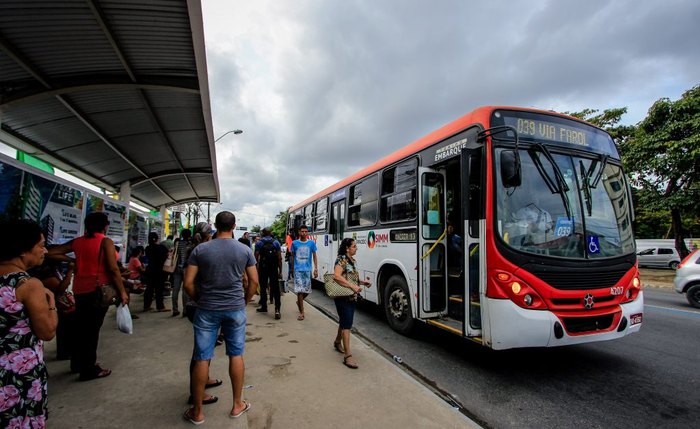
[[219, 265]]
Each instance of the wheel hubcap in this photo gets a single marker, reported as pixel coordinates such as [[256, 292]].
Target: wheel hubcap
[[397, 304]]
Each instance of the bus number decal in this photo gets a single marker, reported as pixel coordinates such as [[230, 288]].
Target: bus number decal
[[616, 290], [564, 227]]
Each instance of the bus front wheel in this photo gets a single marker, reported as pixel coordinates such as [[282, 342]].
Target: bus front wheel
[[397, 305]]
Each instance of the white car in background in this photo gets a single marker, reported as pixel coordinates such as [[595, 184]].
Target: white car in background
[[687, 279]]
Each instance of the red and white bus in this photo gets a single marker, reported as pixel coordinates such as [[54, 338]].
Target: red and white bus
[[508, 226]]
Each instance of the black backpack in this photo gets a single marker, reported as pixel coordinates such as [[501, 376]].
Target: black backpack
[[268, 254]]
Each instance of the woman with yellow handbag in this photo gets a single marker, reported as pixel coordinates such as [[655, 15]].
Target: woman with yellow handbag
[[345, 274]]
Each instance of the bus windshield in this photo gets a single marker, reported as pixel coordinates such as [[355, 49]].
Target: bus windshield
[[568, 205]]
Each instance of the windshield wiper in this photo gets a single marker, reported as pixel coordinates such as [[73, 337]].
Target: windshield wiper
[[562, 187], [585, 177]]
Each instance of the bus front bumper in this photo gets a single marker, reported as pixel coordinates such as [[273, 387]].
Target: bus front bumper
[[510, 326]]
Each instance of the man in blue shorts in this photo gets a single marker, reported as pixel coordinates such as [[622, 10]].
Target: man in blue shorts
[[221, 299], [303, 250]]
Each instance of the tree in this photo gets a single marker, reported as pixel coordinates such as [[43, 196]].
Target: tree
[[663, 159], [255, 228], [279, 226]]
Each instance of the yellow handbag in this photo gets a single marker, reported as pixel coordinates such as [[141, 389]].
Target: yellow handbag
[[335, 290]]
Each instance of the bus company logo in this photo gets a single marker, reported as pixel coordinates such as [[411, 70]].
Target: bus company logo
[[377, 239], [588, 301]]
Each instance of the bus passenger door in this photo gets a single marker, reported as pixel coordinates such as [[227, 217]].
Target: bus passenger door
[[475, 228], [335, 231], [432, 266]]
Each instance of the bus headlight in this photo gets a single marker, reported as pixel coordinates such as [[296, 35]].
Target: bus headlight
[[515, 287]]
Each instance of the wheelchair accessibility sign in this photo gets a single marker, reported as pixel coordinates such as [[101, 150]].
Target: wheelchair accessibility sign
[[593, 244]]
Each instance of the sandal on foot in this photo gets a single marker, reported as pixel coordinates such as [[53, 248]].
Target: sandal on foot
[[215, 383], [99, 373], [245, 409], [350, 362], [206, 401], [338, 347], [300, 317], [190, 418]]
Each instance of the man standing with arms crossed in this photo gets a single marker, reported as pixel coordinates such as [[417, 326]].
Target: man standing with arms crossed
[[303, 250], [221, 304]]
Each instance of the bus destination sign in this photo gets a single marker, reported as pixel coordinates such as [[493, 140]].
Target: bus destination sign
[[545, 130], [556, 130]]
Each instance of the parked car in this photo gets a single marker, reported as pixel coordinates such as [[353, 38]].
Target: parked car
[[659, 257], [687, 279]]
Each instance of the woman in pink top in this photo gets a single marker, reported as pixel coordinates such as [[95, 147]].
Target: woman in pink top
[[95, 263], [135, 266]]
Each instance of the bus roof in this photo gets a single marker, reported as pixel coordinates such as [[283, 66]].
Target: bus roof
[[479, 115]]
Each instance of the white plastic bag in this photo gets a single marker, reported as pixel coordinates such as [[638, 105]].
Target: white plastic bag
[[124, 322]]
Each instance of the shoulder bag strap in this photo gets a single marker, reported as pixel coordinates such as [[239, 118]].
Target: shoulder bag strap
[[99, 261]]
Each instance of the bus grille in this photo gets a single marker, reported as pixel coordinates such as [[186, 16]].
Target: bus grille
[[588, 324], [573, 279]]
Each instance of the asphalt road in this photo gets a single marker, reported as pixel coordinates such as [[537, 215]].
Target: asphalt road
[[646, 380]]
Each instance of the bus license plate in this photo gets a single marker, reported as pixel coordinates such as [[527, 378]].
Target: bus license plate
[[636, 319]]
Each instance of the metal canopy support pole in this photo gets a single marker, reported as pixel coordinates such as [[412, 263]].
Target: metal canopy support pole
[[162, 218], [125, 196]]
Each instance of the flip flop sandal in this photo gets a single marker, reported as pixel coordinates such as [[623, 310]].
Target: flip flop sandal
[[245, 410], [188, 416], [300, 317], [216, 383], [338, 347], [99, 373], [206, 401]]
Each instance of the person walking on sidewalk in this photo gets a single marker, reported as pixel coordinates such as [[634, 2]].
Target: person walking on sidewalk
[[268, 253], [303, 250], [221, 304], [345, 274]]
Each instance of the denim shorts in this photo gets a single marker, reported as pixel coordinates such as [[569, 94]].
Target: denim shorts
[[206, 329], [346, 311]]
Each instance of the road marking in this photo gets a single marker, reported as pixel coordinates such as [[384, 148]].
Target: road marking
[[674, 310]]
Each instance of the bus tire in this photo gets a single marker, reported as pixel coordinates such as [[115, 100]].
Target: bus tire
[[397, 305], [693, 296]]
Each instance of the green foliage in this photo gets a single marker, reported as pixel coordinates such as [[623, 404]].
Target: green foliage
[[279, 226], [662, 160], [255, 228]]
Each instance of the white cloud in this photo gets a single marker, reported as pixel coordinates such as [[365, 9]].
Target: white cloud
[[323, 88]]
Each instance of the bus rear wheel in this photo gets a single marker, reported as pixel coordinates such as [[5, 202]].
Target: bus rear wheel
[[397, 305]]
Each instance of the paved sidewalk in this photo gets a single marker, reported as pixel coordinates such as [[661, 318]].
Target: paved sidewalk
[[294, 379]]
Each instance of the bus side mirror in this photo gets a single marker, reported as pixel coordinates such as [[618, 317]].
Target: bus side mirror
[[510, 169]]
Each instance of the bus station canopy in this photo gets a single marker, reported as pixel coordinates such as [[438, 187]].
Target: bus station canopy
[[111, 92]]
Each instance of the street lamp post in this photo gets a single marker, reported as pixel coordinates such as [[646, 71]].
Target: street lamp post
[[236, 131], [228, 132]]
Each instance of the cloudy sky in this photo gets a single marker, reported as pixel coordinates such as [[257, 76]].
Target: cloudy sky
[[323, 88]]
